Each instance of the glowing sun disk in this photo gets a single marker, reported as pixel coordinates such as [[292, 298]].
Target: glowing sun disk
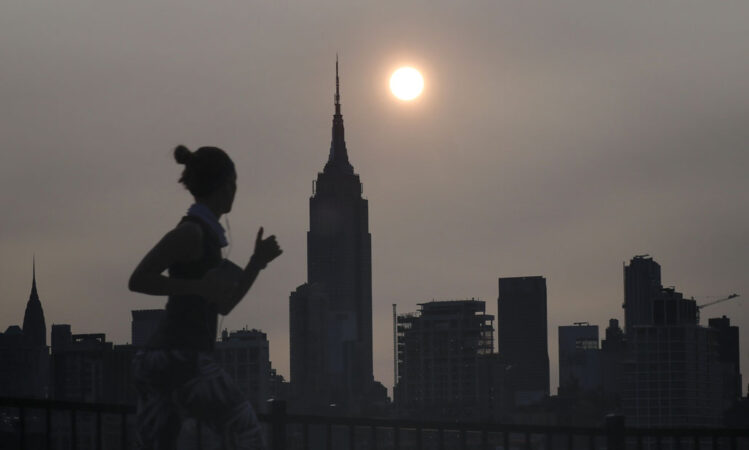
[[406, 83]]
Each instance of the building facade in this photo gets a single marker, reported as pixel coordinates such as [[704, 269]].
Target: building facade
[[87, 368], [440, 351], [672, 377], [729, 359], [144, 324], [245, 357], [522, 338], [672, 372], [642, 284], [613, 355], [579, 359]]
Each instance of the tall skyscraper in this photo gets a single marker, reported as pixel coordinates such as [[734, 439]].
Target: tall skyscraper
[[339, 266], [24, 355], [671, 372], [34, 328], [522, 337], [642, 284]]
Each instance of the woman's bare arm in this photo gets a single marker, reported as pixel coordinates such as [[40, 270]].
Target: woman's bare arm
[[182, 244]]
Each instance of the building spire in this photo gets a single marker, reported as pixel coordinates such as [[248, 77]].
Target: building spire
[[337, 88], [34, 327], [338, 159], [33, 274]]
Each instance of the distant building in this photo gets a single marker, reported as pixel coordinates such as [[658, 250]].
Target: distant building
[[24, 355], [87, 368], [309, 329], [144, 325], [439, 360], [613, 354], [496, 403], [522, 338], [676, 372], [728, 356], [279, 388], [672, 375], [642, 283], [245, 356], [579, 359]]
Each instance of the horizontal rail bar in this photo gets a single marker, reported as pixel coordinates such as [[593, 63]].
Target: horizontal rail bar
[[411, 424], [36, 403], [404, 424]]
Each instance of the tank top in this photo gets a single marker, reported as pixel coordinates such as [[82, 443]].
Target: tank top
[[190, 321]]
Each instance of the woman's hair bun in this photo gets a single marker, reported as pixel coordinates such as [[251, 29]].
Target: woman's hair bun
[[182, 154]]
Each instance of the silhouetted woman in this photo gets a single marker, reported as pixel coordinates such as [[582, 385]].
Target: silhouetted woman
[[175, 375]]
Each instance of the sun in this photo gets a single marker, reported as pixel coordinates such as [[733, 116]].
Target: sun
[[406, 83]]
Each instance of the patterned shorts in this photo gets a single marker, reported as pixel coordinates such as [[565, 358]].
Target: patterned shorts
[[176, 384]]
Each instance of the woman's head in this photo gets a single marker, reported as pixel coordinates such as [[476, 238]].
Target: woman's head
[[209, 174]]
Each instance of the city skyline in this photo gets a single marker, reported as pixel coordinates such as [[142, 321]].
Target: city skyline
[[529, 153]]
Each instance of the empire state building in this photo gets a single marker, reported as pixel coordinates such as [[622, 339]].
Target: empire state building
[[331, 315]]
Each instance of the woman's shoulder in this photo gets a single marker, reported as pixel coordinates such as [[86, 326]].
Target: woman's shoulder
[[188, 229], [184, 242]]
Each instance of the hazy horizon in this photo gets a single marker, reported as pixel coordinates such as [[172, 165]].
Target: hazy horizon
[[551, 139]]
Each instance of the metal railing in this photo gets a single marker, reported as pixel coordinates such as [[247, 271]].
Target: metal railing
[[297, 431], [25, 406], [613, 436]]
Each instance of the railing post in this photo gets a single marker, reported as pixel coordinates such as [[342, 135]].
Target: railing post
[[123, 431], [99, 445], [48, 428], [73, 429], [615, 438], [22, 427], [278, 424]]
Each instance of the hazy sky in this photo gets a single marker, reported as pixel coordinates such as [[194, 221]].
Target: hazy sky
[[556, 139]]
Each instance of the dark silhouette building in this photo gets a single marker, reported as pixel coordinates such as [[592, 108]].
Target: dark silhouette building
[[642, 284], [24, 355], [728, 356], [34, 328], [522, 338], [144, 325], [85, 367], [331, 355], [672, 375], [245, 356], [440, 351], [613, 354], [579, 359]]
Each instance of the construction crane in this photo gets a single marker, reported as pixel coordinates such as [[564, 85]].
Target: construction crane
[[720, 300]]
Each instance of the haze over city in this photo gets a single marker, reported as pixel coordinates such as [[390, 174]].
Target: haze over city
[[553, 140]]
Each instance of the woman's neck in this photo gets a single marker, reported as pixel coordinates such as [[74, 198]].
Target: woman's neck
[[213, 206]]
